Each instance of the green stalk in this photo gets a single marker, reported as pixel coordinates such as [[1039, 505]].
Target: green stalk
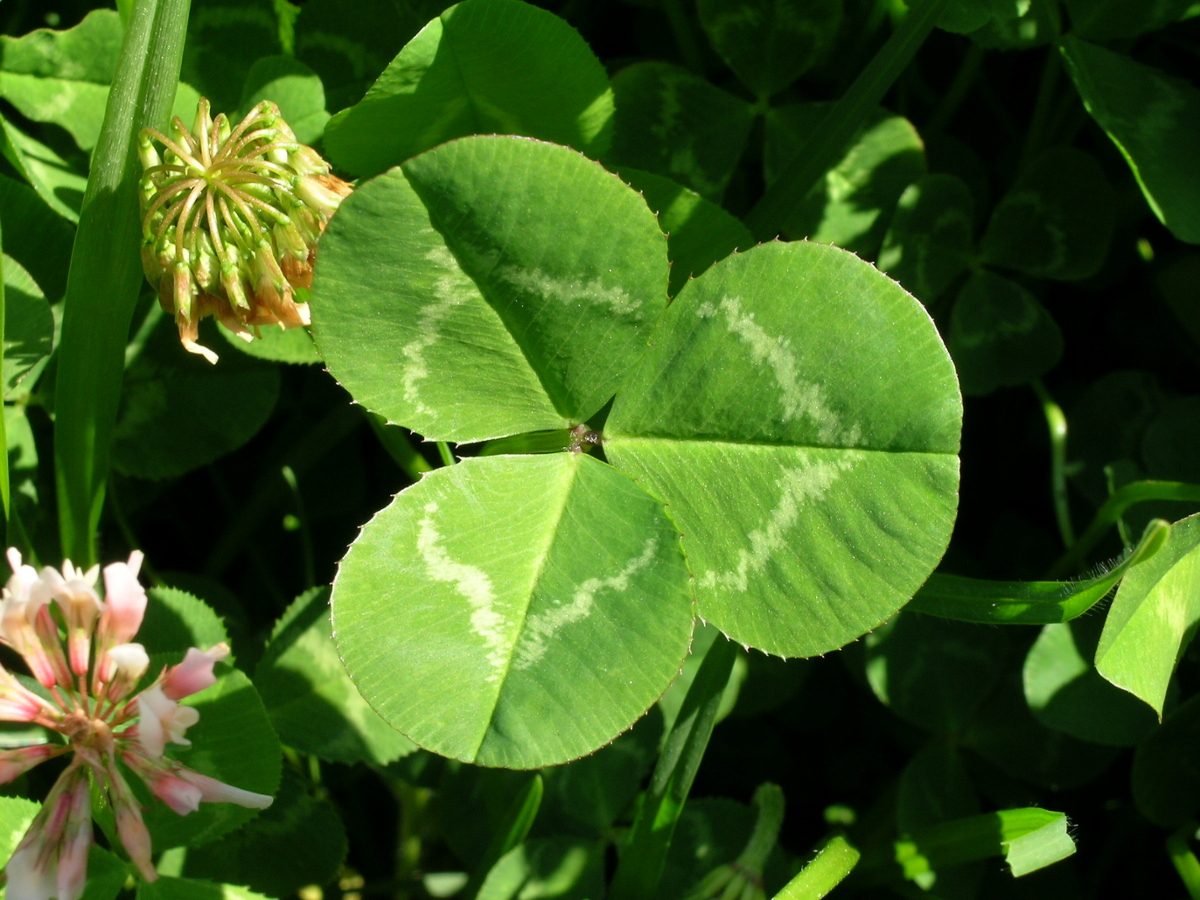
[[830, 139], [685, 35], [1056, 421], [1111, 511], [834, 861], [964, 78], [641, 864], [1184, 859], [5, 487], [106, 271], [510, 832], [398, 445]]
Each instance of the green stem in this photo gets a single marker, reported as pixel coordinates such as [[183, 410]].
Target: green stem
[[956, 93], [1111, 511], [396, 441], [641, 865], [1184, 859], [685, 35], [510, 832], [445, 454], [306, 545], [1110, 484], [5, 486], [842, 123], [1035, 134], [269, 492], [1056, 421], [106, 272], [833, 862], [769, 800], [118, 514]]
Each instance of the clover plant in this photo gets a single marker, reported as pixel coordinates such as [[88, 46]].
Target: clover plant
[[645, 450]]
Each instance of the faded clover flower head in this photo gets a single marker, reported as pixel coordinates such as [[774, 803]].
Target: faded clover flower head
[[78, 648], [231, 219]]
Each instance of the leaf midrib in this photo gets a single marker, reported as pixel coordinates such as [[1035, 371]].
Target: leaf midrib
[[748, 442], [535, 580]]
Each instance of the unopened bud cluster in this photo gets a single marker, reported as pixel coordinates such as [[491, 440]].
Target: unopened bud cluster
[[231, 219], [78, 648]]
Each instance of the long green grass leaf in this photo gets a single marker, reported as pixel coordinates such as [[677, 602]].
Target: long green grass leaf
[[830, 139], [641, 865], [106, 272]]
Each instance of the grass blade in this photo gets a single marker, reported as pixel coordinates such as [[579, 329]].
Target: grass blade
[[641, 865], [106, 271], [838, 128]]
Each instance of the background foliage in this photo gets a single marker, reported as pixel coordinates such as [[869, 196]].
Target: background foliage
[[1027, 170]]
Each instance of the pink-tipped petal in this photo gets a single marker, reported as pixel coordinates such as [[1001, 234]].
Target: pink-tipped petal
[[195, 673], [29, 875], [124, 600], [14, 763], [77, 840], [161, 719], [33, 868], [213, 791], [178, 794], [135, 838], [19, 704], [131, 661]]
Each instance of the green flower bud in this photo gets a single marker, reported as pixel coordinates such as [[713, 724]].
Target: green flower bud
[[231, 220]]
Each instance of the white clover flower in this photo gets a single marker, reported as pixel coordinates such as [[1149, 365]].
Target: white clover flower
[[231, 220], [99, 718]]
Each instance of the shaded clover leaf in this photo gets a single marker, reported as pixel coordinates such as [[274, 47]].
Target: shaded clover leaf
[[225, 37], [28, 324], [770, 43], [699, 233], [1056, 221], [933, 672], [851, 205], [42, 245], [294, 88], [296, 841], [559, 867], [308, 695], [349, 42], [178, 412], [483, 66], [1166, 768], [1154, 120], [1105, 20], [1000, 336], [675, 124], [929, 241], [167, 888], [1065, 692], [62, 77]]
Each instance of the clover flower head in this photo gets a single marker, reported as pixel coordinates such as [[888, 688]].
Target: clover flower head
[[231, 218], [78, 648]]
